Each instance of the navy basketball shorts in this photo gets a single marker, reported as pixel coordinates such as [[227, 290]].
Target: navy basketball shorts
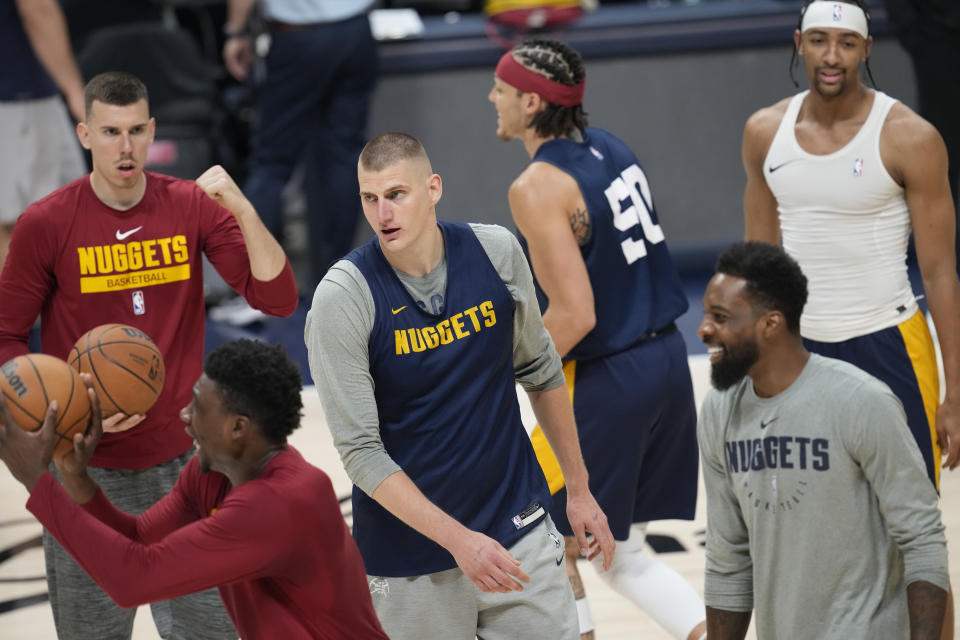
[[636, 421], [903, 357]]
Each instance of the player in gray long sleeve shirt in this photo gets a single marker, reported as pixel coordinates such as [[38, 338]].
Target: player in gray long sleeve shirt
[[343, 306], [449, 501], [819, 513]]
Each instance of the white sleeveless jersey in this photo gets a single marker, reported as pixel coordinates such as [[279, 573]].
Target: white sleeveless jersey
[[846, 222]]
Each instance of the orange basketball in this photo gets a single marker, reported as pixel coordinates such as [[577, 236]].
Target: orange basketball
[[30, 383], [126, 366]]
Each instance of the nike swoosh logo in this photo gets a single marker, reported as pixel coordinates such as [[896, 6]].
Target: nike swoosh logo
[[559, 545], [782, 164], [396, 311], [764, 425], [121, 236]]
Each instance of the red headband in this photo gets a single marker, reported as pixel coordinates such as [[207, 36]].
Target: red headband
[[516, 75]]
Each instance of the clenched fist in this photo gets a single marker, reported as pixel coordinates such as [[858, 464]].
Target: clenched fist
[[218, 184]]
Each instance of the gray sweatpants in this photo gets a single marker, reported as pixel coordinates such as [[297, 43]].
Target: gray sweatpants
[[447, 605], [81, 609]]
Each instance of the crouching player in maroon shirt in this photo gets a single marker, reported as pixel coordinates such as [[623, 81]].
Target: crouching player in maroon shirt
[[248, 514]]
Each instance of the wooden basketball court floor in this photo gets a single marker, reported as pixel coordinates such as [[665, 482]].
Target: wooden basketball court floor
[[25, 614]]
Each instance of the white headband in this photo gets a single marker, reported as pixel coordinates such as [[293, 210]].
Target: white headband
[[834, 15]]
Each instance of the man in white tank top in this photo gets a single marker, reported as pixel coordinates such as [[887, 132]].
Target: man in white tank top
[[843, 173]]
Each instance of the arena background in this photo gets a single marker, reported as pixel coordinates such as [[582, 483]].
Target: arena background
[[675, 80]]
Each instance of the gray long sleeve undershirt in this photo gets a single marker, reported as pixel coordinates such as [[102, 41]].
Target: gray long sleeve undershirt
[[337, 332]]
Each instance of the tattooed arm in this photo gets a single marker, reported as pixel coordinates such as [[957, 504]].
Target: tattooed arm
[[552, 216]]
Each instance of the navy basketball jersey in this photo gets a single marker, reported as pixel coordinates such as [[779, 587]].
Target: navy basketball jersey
[[636, 288], [447, 404]]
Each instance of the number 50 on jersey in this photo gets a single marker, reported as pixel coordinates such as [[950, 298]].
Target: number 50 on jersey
[[632, 186]]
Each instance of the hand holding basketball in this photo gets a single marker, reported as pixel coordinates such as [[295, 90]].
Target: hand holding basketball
[[75, 462], [31, 383], [119, 422], [126, 370], [27, 455], [73, 466]]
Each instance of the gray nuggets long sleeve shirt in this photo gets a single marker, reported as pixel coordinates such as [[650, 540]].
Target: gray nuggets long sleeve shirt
[[819, 509]]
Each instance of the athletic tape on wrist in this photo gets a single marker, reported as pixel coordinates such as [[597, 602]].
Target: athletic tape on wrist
[[583, 615], [834, 15]]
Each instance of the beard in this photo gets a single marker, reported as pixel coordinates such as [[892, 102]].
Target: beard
[[734, 365]]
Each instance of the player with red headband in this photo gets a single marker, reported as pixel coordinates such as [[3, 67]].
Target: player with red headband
[[610, 296]]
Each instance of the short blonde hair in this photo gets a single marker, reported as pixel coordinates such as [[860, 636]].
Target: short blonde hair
[[389, 148]]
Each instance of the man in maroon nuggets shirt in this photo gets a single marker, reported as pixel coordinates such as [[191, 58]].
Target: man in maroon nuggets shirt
[[248, 514], [126, 245]]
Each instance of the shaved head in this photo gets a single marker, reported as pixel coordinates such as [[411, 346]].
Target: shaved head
[[389, 148]]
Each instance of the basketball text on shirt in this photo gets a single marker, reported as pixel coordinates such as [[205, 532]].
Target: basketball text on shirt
[[126, 265]]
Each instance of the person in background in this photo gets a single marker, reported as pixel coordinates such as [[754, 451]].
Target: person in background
[[38, 151], [321, 70], [610, 295]]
